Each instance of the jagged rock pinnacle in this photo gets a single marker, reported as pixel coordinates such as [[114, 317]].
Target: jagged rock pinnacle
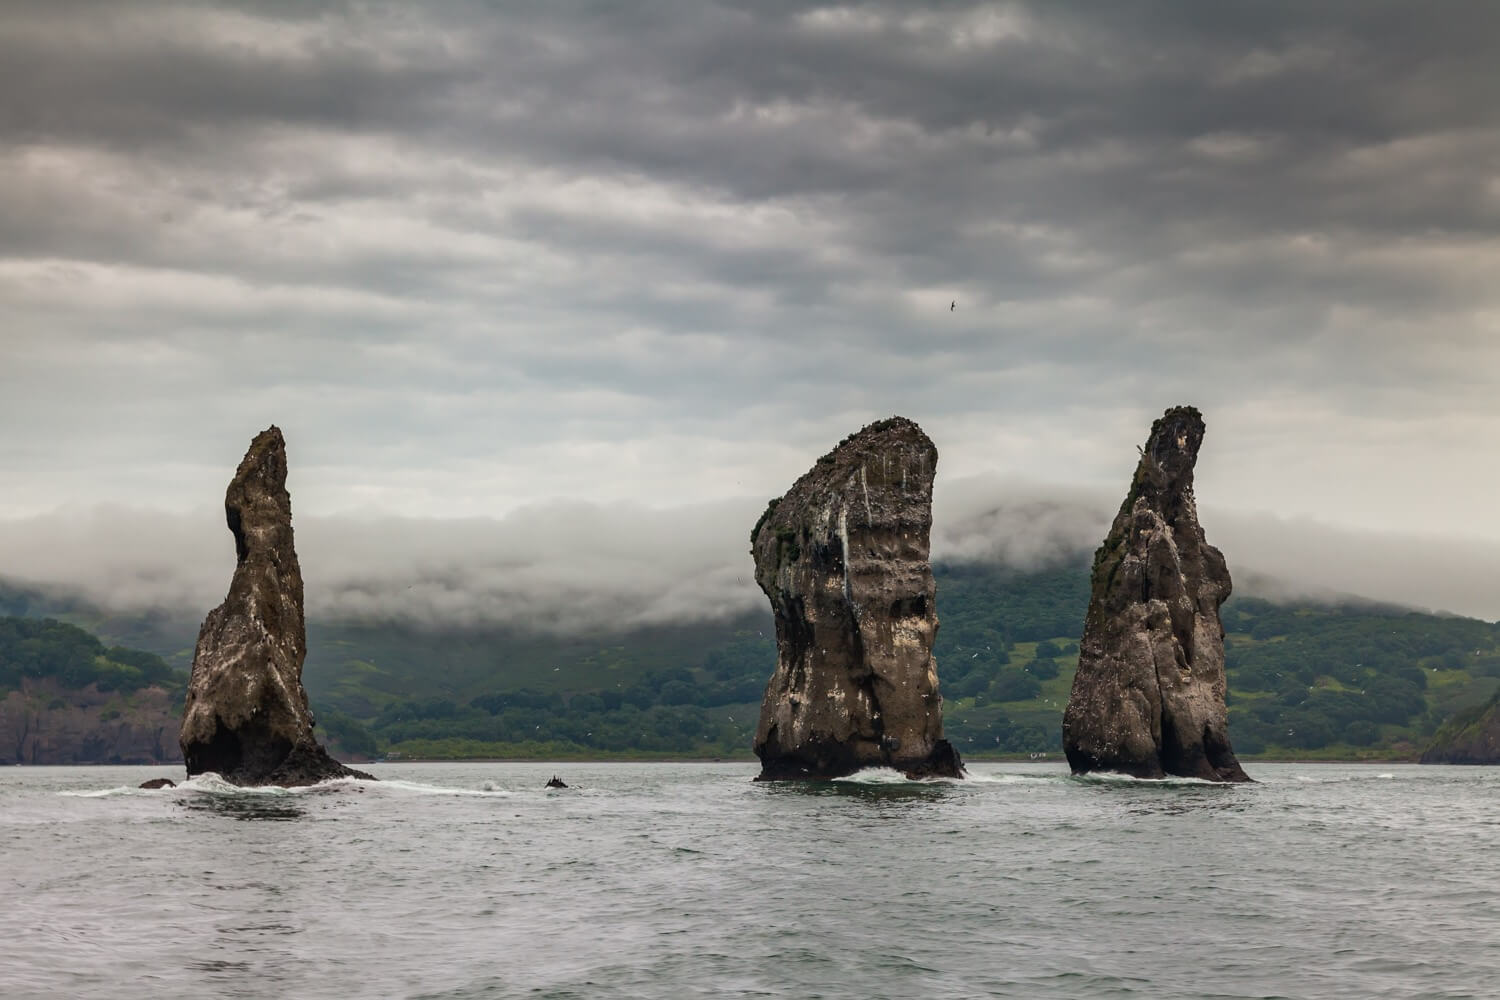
[[843, 558], [1148, 698], [246, 716]]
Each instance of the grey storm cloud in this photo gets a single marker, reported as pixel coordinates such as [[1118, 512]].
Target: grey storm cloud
[[477, 257]]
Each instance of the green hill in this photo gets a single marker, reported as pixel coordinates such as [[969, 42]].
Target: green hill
[[43, 648], [1343, 681]]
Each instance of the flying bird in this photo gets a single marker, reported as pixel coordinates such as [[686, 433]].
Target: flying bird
[[952, 305]]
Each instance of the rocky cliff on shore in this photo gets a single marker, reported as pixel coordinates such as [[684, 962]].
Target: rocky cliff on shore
[[44, 722], [1149, 696], [843, 558], [1471, 737], [247, 717]]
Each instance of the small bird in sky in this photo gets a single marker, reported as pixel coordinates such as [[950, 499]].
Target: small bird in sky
[[952, 305]]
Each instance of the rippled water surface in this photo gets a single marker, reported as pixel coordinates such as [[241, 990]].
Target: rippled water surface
[[684, 880]]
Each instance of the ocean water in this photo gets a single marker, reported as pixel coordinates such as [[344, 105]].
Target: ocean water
[[688, 880]]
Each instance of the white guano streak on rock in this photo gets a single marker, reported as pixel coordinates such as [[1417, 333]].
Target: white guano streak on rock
[[844, 541], [1170, 538]]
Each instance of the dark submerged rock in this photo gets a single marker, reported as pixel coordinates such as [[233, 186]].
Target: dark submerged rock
[[556, 782], [843, 558], [1148, 698], [247, 717], [159, 783]]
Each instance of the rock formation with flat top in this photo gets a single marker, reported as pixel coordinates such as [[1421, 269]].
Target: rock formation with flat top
[[843, 557], [246, 717], [1148, 698]]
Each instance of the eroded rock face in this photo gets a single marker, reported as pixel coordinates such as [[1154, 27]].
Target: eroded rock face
[[246, 716], [1148, 699], [843, 557], [43, 722]]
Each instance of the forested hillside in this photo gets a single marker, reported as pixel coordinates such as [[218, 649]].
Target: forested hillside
[[1341, 681], [37, 648], [1351, 677], [1350, 680]]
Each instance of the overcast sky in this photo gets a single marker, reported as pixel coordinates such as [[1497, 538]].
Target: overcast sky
[[508, 261]]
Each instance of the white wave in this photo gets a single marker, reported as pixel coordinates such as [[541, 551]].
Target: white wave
[[980, 778], [1111, 778], [884, 776], [213, 784], [487, 789], [207, 783], [103, 793]]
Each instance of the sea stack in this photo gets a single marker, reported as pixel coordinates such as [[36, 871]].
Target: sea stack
[[843, 557], [246, 717], [1148, 699]]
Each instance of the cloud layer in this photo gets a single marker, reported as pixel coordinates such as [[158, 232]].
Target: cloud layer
[[647, 257], [579, 566]]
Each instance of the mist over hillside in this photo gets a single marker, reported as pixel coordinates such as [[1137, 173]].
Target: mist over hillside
[[575, 566]]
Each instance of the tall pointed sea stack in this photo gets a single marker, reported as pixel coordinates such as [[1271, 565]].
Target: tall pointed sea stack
[[844, 559], [246, 716], [1148, 699]]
